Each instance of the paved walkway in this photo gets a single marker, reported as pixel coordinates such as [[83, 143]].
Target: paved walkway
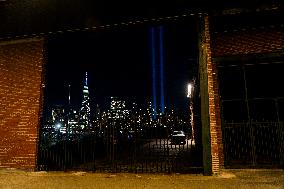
[[235, 179]]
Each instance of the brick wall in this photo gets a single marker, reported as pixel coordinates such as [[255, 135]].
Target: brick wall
[[218, 115], [254, 40], [242, 42], [21, 64], [217, 154]]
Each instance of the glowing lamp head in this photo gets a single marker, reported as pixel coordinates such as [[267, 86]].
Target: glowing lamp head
[[189, 90]]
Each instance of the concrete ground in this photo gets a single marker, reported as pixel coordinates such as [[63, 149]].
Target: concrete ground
[[235, 179]]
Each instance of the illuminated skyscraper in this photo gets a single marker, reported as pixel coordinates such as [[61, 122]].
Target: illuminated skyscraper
[[73, 120], [98, 113], [149, 112], [85, 111], [58, 119], [117, 109]]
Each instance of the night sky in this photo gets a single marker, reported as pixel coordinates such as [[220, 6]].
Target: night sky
[[118, 62]]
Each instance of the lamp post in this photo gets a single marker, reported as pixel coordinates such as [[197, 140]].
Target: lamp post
[[190, 88]]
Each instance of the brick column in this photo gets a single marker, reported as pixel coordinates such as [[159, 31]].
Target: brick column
[[21, 65], [210, 110], [218, 126]]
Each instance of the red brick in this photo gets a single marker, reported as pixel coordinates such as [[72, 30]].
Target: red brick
[[217, 153], [248, 42], [21, 63]]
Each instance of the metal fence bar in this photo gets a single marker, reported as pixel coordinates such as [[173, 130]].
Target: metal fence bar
[[261, 146], [156, 153]]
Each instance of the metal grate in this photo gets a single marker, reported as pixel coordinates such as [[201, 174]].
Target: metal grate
[[253, 144]]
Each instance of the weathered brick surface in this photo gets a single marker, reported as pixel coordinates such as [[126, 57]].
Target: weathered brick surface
[[249, 41], [242, 42], [21, 64], [218, 115], [217, 153]]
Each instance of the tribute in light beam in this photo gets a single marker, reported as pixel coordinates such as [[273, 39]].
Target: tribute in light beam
[[162, 93], [154, 93]]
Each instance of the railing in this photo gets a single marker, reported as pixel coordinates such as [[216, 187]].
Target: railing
[[114, 153]]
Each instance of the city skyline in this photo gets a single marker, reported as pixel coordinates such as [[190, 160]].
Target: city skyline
[[120, 64], [67, 119], [63, 123]]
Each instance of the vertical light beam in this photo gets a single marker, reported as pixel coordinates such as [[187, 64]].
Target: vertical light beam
[[154, 92], [162, 93]]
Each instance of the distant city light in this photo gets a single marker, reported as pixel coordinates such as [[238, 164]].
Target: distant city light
[[58, 126]]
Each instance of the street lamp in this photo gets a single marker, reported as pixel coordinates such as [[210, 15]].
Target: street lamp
[[189, 90], [189, 95]]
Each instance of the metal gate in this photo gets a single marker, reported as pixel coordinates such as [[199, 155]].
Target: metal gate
[[112, 149], [252, 112], [253, 144]]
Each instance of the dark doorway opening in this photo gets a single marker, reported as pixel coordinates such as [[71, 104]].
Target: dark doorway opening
[[117, 100]]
